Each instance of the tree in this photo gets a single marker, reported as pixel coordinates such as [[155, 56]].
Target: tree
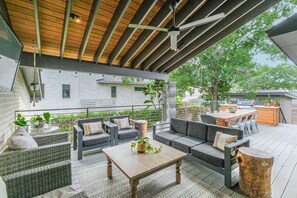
[[155, 91], [230, 61]]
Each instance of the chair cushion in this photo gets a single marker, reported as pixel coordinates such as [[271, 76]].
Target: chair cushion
[[96, 139], [88, 120], [197, 130], [213, 129], [221, 140], [167, 136], [179, 126], [3, 192], [185, 143], [210, 154], [122, 123], [124, 134]]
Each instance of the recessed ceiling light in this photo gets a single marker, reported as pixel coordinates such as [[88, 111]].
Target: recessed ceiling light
[[74, 17]]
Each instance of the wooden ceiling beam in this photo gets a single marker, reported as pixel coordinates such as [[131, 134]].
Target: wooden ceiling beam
[[68, 8], [116, 18], [192, 41], [89, 27], [227, 8], [186, 12], [158, 19], [36, 16], [4, 12], [205, 11], [242, 21], [138, 18]]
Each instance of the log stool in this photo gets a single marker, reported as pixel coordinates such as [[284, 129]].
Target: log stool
[[254, 172], [144, 127]]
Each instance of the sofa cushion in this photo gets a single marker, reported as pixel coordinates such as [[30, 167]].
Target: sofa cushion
[[21, 140], [96, 139], [167, 136], [124, 134], [3, 192], [179, 126], [213, 129], [197, 130], [210, 154], [92, 128], [88, 120], [185, 143]]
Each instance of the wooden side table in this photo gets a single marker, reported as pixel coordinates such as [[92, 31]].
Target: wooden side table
[[255, 172], [144, 127]]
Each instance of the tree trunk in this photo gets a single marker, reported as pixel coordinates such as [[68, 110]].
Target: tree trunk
[[215, 98]]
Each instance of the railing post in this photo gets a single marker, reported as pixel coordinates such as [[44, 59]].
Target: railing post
[[132, 112], [87, 112]]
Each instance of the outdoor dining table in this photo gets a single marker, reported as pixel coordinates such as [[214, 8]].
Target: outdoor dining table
[[225, 118]]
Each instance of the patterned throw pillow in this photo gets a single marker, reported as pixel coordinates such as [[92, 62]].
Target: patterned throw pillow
[[222, 139], [122, 123], [21, 140], [92, 128]]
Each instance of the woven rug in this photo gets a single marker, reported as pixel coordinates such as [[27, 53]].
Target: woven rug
[[93, 180]]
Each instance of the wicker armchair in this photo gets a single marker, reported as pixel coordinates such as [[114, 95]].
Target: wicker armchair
[[31, 172]]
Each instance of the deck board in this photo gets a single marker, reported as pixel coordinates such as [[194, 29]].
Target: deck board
[[280, 141]]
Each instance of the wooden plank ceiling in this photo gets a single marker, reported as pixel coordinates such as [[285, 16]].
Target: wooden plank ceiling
[[103, 35]]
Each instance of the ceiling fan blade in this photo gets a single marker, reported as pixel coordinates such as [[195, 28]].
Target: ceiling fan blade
[[173, 42], [202, 21], [146, 27]]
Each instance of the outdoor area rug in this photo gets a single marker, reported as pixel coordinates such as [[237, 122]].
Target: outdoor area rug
[[93, 180]]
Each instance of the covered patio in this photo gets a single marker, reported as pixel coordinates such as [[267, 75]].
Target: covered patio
[[95, 37]]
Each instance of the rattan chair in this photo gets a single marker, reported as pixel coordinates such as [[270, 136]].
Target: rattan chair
[[31, 172]]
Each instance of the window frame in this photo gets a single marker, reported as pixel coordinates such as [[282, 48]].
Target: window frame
[[113, 94], [63, 89]]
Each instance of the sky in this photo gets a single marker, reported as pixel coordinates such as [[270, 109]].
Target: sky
[[264, 59]]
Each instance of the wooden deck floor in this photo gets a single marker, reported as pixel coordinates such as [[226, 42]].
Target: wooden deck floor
[[280, 141]]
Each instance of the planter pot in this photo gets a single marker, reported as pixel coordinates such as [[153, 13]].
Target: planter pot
[[141, 148], [229, 102], [268, 105], [275, 104], [24, 127]]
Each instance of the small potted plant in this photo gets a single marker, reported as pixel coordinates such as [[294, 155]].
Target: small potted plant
[[229, 100], [276, 102], [266, 102], [232, 110], [47, 116], [21, 122], [36, 121], [143, 145]]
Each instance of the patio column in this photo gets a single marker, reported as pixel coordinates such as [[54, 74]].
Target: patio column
[[169, 110]]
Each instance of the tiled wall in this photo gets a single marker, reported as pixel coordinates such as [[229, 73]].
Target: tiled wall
[[9, 102]]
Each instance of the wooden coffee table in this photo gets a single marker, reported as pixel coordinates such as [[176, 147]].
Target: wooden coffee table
[[137, 166]]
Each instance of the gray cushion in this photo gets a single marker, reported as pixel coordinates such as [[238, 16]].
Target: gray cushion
[[210, 154], [197, 130], [167, 136], [118, 117], [125, 134], [185, 143], [96, 139], [212, 130], [179, 126]]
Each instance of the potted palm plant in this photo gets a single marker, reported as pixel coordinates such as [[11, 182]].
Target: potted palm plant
[[143, 145]]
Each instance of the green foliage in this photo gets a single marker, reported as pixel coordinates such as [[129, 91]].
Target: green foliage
[[47, 116], [20, 121], [155, 92], [229, 63], [145, 140]]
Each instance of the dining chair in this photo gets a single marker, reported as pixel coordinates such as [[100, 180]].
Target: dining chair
[[254, 125], [248, 123], [244, 126]]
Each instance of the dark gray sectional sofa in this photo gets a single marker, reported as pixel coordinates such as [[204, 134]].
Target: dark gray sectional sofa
[[196, 139]]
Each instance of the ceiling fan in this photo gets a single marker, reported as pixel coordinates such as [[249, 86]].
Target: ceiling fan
[[174, 31]]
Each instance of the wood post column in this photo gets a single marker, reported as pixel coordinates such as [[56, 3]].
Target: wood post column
[[169, 110]]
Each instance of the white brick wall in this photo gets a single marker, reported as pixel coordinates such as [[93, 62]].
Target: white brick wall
[[9, 102]]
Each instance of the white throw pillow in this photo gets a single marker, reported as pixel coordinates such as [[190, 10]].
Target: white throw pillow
[[3, 192], [92, 128], [20, 140], [222, 139], [122, 123]]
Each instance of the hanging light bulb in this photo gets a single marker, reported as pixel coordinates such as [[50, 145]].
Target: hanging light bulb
[[59, 71], [75, 74]]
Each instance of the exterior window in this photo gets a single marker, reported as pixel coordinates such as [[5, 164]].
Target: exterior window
[[139, 88], [65, 91], [42, 90], [113, 91]]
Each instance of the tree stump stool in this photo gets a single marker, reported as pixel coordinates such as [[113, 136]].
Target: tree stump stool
[[254, 172]]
